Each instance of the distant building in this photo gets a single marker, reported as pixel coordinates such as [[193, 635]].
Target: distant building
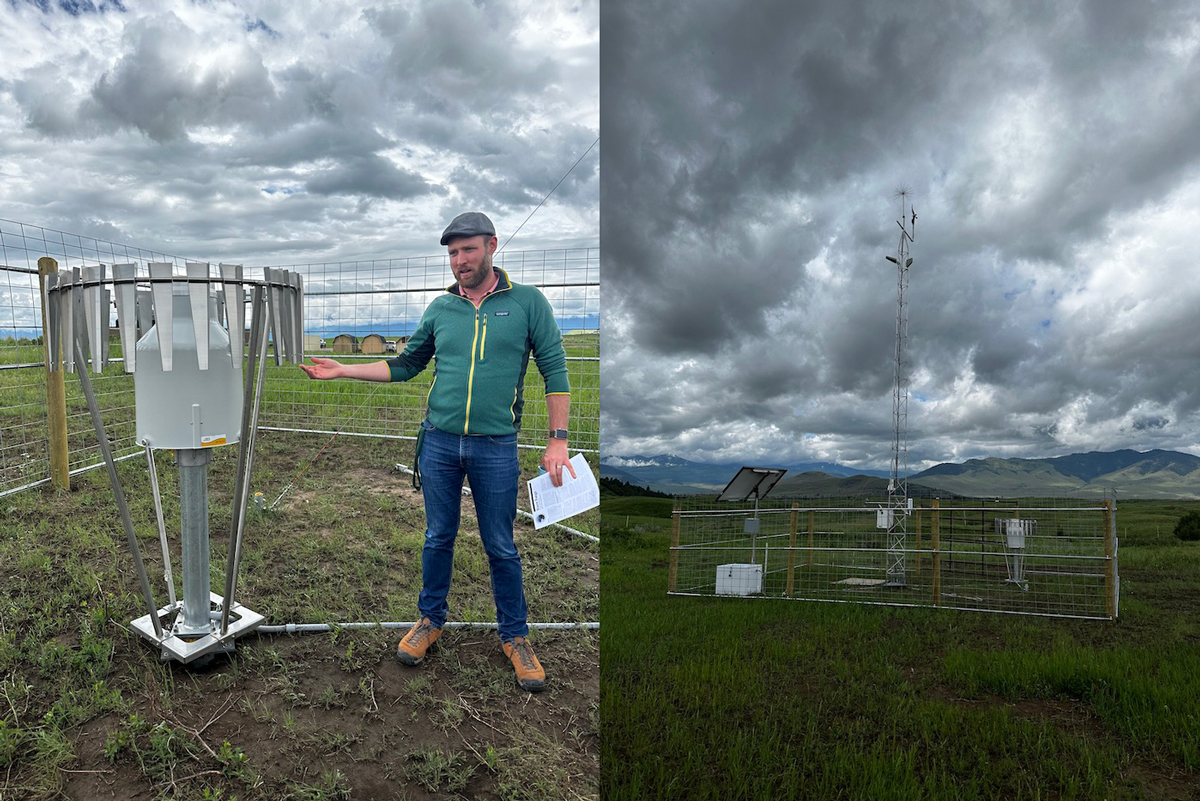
[[345, 343], [373, 343]]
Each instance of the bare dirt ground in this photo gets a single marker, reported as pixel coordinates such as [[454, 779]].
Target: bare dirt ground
[[313, 724]]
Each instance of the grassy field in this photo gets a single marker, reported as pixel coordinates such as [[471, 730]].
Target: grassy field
[[87, 710], [290, 400], [712, 698]]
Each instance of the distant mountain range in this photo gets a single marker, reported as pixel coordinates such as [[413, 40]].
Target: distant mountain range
[[1125, 473], [679, 476]]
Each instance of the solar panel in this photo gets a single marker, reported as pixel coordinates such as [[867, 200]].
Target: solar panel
[[751, 482]]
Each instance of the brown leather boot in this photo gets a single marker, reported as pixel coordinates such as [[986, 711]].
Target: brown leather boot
[[530, 675], [420, 638]]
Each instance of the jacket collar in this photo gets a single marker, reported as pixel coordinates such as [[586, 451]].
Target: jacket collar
[[502, 284]]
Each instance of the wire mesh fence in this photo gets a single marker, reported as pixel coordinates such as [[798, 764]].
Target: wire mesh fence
[[24, 456], [353, 310], [367, 311], [1053, 558]]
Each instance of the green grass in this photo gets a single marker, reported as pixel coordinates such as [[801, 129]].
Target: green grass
[[732, 698], [290, 400]]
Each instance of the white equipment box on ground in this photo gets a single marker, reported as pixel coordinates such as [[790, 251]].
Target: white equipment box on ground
[[734, 579]]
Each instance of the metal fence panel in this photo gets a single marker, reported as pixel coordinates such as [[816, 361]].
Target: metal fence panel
[[24, 452], [384, 298], [379, 304], [1052, 558]]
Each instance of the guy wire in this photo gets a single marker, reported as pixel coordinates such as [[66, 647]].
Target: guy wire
[[551, 192]]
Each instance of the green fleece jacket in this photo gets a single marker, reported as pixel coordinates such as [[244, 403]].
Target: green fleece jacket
[[480, 356]]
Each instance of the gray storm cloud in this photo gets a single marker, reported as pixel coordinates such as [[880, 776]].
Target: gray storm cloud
[[308, 130], [748, 204], [159, 88]]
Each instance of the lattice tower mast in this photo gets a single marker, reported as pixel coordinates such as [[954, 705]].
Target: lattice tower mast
[[898, 502]]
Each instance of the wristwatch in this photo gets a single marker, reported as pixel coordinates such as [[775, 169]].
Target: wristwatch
[[559, 433]]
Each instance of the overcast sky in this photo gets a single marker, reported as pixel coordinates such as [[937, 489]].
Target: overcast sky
[[753, 149], [287, 131]]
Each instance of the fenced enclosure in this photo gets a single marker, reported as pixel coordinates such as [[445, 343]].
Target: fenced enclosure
[[350, 300], [1053, 558]]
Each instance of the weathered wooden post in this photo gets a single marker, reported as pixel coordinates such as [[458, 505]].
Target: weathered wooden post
[[56, 392]]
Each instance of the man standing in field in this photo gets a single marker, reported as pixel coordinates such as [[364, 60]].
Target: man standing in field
[[481, 333]]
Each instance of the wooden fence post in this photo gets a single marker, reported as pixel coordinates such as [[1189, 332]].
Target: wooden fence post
[[671, 576], [56, 391]]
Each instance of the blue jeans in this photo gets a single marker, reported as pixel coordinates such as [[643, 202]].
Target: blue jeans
[[490, 464]]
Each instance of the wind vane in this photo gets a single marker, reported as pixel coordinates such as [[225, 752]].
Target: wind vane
[[895, 517]]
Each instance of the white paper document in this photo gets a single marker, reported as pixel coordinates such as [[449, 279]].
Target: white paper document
[[552, 504]]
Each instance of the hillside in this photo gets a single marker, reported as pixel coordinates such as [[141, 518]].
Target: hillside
[[678, 476], [1155, 474], [819, 485], [612, 487]]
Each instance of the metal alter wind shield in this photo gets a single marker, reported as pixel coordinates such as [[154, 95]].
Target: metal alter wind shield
[[191, 396]]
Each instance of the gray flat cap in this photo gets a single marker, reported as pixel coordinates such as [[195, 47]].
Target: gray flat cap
[[472, 223]]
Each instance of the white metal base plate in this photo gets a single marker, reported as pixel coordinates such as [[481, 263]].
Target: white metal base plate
[[241, 621]]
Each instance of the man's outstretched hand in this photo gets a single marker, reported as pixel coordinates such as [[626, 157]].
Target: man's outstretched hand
[[322, 369]]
